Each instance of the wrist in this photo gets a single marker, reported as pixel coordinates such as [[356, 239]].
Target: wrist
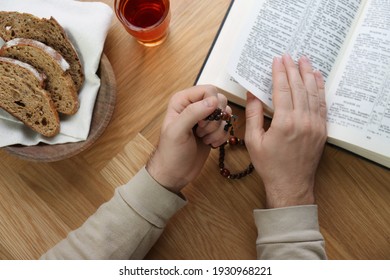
[[273, 202], [293, 196], [164, 177]]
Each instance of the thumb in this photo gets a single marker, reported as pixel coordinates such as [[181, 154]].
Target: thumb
[[254, 118], [195, 112]]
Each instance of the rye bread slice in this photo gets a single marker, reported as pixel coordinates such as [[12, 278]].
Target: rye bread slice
[[22, 95], [45, 59], [48, 31]]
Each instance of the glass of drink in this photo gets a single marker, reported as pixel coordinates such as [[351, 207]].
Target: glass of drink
[[145, 20]]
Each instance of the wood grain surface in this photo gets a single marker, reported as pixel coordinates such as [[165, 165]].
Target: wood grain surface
[[41, 202]]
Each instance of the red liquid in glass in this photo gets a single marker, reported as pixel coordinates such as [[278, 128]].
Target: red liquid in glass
[[147, 20]]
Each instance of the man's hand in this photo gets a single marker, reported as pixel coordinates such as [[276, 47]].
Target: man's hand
[[286, 156], [186, 137]]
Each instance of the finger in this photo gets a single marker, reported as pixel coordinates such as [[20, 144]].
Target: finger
[[222, 100], [217, 137], [217, 144], [298, 89], [222, 103], [310, 83], [194, 112], [228, 109], [281, 94], [321, 92], [206, 126], [184, 98], [254, 119]]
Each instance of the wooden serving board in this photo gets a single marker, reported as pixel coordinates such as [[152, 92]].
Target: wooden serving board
[[104, 107]]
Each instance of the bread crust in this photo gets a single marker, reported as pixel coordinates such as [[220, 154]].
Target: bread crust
[[48, 31], [22, 95], [48, 61]]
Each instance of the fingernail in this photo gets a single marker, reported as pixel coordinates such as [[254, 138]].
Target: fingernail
[[277, 59], [287, 59], [318, 74], [305, 59]]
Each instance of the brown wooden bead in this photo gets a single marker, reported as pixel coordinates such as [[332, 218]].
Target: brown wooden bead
[[233, 140], [217, 115], [225, 172]]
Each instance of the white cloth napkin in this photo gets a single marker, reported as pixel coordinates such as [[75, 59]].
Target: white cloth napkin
[[86, 24]]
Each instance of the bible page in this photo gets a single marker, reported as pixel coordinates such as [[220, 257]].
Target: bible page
[[359, 99], [314, 28]]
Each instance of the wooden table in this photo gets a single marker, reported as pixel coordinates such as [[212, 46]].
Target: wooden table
[[42, 202]]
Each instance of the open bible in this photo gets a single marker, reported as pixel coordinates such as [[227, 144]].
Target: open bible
[[347, 40]]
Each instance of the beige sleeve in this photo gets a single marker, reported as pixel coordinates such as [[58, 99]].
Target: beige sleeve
[[125, 227], [289, 233]]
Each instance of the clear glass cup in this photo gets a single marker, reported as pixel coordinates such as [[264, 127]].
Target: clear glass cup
[[146, 20]]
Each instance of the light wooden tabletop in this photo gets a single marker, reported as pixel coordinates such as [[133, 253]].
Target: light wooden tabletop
[[42, 202]]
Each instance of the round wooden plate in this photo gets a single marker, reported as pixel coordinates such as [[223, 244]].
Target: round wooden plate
[[104, 107]]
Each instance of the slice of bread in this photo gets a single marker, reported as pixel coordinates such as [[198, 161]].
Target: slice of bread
[[48, 31], [22, 95], [45, 59]]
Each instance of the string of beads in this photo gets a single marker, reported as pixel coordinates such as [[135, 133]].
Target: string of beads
[[217, 115]]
